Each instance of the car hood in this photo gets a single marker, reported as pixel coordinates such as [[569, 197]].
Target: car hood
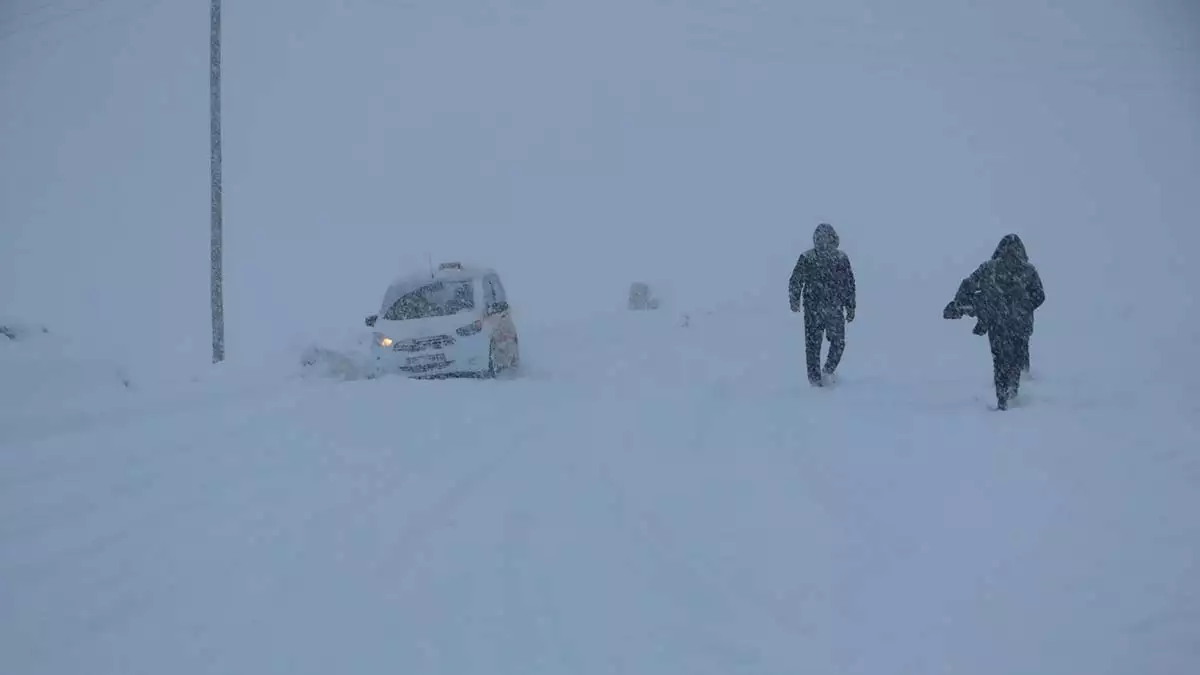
[[411, 329]]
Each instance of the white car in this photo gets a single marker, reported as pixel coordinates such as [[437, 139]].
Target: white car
[[455, 321]]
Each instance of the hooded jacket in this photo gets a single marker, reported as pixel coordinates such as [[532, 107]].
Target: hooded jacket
[[1003, 292], [1011, 244], [823, 278]]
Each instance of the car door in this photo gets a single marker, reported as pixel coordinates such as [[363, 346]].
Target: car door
[[497, 307], [491, 320]]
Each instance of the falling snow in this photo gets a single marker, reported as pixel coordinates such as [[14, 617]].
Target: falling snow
[[652, 491]]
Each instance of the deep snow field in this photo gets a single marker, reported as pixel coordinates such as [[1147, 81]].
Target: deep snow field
[[653, 492], [634, 500]]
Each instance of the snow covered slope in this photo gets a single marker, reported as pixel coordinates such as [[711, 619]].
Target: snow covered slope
[[657, 492]]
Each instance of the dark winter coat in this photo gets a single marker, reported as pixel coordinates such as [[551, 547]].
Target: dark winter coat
[[823, 279], [1002, 293]]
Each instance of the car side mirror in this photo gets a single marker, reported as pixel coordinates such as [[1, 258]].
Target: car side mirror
[[498, 308], [371, 320]]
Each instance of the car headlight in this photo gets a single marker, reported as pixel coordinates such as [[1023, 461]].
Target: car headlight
[[383, 340], [471, 328]]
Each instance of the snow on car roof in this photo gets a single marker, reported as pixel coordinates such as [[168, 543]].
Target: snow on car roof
[[410, 282]]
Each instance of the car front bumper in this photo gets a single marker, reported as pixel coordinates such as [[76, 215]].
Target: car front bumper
[[466, 355]]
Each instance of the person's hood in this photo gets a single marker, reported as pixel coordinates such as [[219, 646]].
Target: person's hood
[[825, 237], [1011, 247]]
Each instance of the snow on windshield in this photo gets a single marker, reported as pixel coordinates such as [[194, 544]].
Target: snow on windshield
[[437, 298]]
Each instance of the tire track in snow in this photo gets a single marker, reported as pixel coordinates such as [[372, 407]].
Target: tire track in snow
[[540, 646], [389, 527], [416, 533], [695, 589], [263, 498], [55, 502], [89, 540]]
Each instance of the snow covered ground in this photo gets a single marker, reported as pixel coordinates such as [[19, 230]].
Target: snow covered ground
[[655, 492], [645, 497]]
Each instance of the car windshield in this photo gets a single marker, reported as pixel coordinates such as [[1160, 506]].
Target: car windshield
[[438, 298]]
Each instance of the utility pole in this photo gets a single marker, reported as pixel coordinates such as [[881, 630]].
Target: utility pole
[[214, 112]]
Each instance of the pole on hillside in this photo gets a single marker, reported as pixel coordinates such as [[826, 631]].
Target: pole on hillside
[[214, 112]]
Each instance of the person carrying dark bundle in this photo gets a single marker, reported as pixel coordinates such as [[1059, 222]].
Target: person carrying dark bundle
[[1002, 295]]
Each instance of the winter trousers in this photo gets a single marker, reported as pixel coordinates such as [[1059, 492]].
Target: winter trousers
[[1010, 355], [818, 326]]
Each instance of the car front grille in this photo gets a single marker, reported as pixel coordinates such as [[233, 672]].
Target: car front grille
[[436, 342]]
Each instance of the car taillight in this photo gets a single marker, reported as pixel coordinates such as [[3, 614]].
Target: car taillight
[[471, 328]]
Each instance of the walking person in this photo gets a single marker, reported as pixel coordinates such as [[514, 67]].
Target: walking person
[[1002, 295], [822, 284], [1018, 247]]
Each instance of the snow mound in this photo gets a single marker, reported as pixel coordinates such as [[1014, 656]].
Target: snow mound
[[337, 354], [41, 367]]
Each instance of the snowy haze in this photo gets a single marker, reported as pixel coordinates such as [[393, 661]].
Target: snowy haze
[[579, 145], [643, 497]]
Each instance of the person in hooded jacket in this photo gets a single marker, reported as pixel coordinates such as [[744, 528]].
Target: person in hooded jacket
[[1002, 295], [1018, 247], [823, 284]]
